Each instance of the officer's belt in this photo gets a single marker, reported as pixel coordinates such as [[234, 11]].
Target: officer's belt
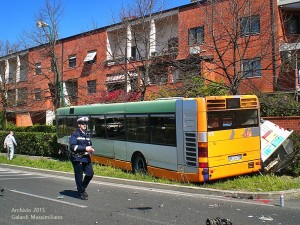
[[80, 154]]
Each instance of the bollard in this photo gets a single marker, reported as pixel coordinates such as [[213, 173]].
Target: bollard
[[281, 200]]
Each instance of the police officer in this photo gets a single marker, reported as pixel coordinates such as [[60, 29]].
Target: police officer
[[81, 148]]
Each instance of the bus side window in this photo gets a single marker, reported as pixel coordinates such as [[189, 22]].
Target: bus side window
[[115, 127], [98, 127], [163, 130], [70, 125], [60, 127], [137, 128]]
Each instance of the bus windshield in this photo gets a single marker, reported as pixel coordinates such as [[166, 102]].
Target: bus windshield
[[233, 119]]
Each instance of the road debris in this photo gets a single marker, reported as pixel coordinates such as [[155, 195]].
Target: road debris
[[218, 221], [265, 218], [214, 205], [1, 190]]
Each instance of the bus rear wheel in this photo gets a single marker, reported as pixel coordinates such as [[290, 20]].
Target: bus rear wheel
[[139, 164]]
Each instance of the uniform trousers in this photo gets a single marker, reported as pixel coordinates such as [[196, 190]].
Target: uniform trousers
[[81, 168]]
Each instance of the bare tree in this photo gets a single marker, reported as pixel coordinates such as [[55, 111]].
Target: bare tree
[[142, 45], [44, 37], [237, 41]]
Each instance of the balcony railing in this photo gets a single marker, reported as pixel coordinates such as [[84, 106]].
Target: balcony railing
[[289, 4]]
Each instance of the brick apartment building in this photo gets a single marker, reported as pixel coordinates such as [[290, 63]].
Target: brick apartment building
[[260, 49]]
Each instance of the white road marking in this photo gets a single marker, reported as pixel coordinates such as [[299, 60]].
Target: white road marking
[[11, 174], [8, 171], [22, 178], [49, 199], [15, 174]]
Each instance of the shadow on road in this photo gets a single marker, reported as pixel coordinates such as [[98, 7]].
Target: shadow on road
[[1, 191], [141, 208], [70, 193]]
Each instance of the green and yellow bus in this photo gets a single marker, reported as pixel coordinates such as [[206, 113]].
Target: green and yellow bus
[[182, 139]]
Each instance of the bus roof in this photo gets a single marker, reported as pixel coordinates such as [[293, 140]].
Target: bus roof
[[157, 106], [165, 105]]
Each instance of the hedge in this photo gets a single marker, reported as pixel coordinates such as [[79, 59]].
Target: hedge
[[34, 143]]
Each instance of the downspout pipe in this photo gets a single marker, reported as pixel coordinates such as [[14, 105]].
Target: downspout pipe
[[273, 36]]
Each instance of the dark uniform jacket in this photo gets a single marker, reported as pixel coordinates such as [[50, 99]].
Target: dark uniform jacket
[[78, 142]]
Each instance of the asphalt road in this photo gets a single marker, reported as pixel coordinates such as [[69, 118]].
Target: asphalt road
[[40, 197]]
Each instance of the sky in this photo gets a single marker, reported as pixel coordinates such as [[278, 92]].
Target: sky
[[18, 16]]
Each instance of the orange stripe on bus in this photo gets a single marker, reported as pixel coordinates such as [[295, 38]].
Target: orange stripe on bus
[[112, 162]]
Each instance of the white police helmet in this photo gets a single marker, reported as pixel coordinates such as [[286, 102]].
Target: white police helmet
[[82, 120]]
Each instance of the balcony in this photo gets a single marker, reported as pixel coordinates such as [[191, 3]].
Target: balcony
[[115, 61], [289, 4]]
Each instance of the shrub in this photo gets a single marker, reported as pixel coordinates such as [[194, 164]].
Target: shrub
[[294, 168], [34, 143], [278, 105], [34, 128]]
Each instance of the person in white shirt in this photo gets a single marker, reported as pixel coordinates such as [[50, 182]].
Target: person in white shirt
[[10, 143]]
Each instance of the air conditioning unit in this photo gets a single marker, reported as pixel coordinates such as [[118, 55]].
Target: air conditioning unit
[[195, 50], [110, 62]]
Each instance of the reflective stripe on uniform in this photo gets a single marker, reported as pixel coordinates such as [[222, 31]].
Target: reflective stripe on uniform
[[83, 138], [75, 148]]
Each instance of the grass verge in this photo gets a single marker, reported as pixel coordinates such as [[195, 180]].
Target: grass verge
[[254, 183]]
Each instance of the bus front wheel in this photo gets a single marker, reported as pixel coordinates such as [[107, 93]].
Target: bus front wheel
[[139, 164]]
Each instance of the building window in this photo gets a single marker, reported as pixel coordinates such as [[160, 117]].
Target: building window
[[72, 91], [91, 86], [37, 94], [115, 82], [11, 98], [23, 68], [133, 53], [292, 25], [250, 25], [38, 68], [173, 45], [177, 74], [72, 61], [158, 75], [22, 96], [91, 57], [196, 35], [251, 68]]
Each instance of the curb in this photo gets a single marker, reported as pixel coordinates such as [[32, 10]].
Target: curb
[[288, 194]]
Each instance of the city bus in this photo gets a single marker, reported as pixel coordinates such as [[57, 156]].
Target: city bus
[[183, 139]]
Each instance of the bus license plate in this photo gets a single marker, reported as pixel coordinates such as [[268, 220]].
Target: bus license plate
[[234, 157]]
